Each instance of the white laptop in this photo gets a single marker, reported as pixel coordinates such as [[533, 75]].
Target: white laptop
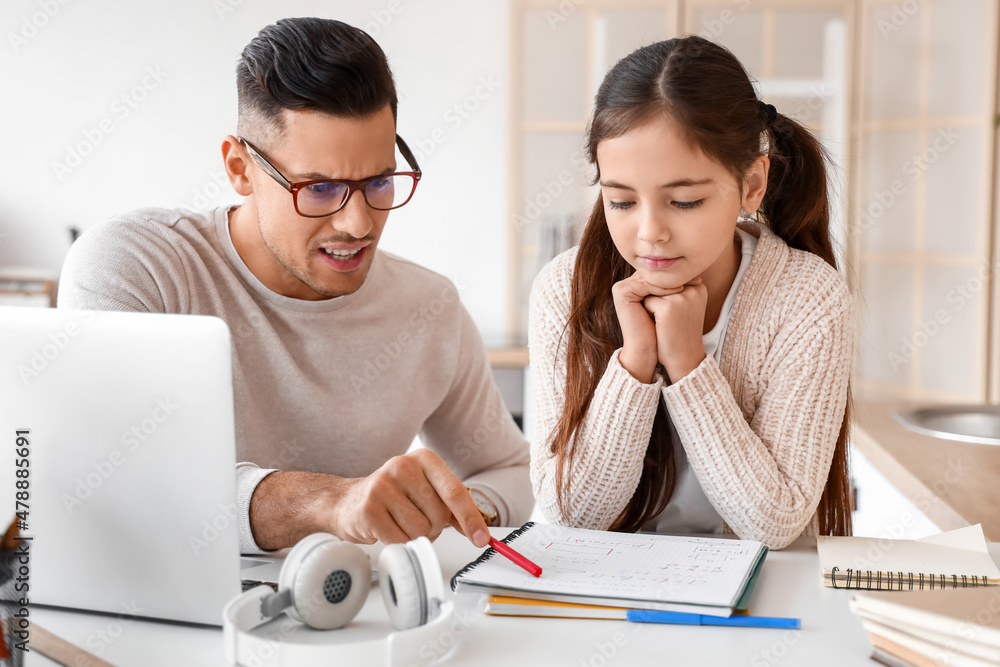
[[128, 421]]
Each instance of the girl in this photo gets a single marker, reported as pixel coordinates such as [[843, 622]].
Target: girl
[[690, 365]]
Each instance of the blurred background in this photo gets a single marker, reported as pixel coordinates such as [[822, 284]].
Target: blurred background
[[112, 105]]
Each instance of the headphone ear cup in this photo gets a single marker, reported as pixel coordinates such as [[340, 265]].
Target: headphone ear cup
[[426, 558], [403, 591], [329, 580]]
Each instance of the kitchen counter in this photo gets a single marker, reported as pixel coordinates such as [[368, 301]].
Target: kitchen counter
[[954, 483]]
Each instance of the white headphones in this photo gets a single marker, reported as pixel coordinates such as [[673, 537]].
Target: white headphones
[[324, 582]]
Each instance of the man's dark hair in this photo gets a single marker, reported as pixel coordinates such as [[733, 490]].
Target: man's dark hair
[[311, 63]]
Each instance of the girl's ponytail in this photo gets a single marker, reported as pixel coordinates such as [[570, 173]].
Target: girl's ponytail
[[796, 209], [795, 203]]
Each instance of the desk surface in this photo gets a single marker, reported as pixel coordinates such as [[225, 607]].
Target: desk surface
[[789, 586]]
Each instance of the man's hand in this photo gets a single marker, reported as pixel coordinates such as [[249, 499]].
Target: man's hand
[[410, 496]]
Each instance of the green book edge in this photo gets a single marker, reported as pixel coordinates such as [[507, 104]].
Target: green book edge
[[744, 600]]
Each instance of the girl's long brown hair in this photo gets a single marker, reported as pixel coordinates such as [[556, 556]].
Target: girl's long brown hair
[[704, 89]]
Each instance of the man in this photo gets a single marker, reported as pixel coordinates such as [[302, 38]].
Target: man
[[342, 353]]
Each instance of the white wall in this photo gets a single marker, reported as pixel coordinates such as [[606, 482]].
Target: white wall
[[65, 68]]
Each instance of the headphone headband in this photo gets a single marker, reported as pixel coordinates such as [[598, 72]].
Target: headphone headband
[[324, 583], [276, 647]]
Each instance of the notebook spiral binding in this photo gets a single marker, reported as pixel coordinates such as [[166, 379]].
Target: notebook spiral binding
[[903, 579], [490, 552]]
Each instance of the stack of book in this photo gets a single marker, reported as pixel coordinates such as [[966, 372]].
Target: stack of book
[[941, 605], [953, 627]]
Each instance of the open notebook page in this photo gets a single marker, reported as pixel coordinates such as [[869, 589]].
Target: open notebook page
[[621, 567]]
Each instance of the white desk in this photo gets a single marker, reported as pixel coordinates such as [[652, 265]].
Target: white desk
[[788, 586]]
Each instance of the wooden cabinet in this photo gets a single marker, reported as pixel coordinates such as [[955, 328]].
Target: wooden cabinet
[[924, 185], [27, 287]]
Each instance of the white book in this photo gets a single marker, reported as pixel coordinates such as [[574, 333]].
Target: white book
[[912, 648], [965, 618]]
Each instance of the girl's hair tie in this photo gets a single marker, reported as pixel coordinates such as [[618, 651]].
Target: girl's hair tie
[[769, 112]]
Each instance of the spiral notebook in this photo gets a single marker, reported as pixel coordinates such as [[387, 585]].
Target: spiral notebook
[[956, 559], [700, 575]]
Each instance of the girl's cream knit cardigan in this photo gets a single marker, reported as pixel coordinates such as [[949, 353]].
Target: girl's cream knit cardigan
[[759, 429]]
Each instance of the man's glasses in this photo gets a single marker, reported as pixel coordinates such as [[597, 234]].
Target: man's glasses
[[318, 199]]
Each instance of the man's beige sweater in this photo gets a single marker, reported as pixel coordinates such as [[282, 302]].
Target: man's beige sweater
[[336, 386], [759, 428]]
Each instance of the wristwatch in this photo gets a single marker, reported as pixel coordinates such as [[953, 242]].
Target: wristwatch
[[485, 506]]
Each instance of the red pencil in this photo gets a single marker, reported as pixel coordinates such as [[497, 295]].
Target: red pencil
[[517, 558]]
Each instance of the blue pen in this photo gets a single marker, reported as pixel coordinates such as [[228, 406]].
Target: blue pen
[[680, 618]]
